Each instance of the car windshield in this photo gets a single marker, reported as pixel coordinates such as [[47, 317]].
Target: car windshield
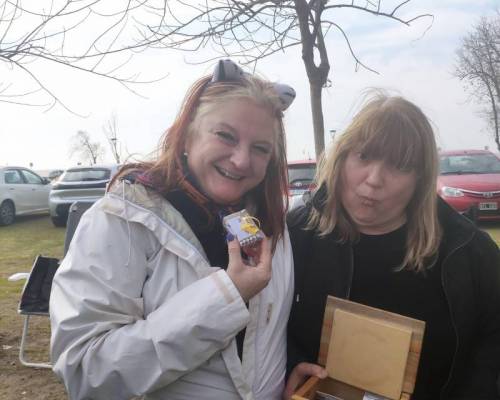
[[299, 175], [86, 174], [469, 164]]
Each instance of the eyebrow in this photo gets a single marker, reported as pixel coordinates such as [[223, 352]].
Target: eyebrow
[[225, 126]]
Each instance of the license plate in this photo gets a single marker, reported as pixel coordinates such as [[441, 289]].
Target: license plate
[[488, 206]]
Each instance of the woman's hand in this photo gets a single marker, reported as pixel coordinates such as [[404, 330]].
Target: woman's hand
[[299, 375], [249, 280]]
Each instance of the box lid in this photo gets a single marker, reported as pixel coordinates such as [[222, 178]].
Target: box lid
[[371, 349]]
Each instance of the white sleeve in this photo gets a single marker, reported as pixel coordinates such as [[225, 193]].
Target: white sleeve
[[102, 345]]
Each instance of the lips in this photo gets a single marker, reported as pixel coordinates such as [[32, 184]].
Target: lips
[[229, 175], [367, 201]]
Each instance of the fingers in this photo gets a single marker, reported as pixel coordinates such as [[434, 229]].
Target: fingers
[[265, 252], [307, 369], [234, 251], [298, 376]]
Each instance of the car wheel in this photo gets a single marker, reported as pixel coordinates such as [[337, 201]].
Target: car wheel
[[58, 221], [7, 213]]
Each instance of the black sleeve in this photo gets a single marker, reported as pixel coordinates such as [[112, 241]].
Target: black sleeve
[[482, 379], [299, 238], [487, 356]]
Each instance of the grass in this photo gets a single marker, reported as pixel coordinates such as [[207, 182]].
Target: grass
[[493, 229], [21, 243]]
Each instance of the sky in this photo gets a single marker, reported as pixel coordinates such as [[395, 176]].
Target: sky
[[416, 62]]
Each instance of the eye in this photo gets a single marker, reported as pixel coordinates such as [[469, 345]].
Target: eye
[[262, 148], [362, 156], [226, 137], [404, 169]]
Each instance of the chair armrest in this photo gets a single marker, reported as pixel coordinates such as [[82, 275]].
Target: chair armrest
[[18, 276]]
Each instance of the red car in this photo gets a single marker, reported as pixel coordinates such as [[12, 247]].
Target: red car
[[469, 181], [300, 176]]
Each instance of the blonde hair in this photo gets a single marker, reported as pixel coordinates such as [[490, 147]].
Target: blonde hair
[[396, 131]]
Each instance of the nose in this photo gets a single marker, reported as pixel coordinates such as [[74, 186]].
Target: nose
[[241, 157], [376, 174]]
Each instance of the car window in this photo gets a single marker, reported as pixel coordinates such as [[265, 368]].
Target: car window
[[85, 174], [469, 164], [13, 176], [301, 174], [32, 178]]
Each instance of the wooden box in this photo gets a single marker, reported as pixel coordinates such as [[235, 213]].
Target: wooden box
[[365, 351]]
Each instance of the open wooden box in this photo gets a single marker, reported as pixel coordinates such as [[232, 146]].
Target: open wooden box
[[365, 351]]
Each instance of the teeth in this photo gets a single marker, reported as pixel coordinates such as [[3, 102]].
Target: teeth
[[227, 174]]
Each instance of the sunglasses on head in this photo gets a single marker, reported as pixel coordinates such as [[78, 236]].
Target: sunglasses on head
[[228, 71]]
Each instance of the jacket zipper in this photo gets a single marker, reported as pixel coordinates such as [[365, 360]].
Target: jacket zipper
[[445, 386], [351, 272]]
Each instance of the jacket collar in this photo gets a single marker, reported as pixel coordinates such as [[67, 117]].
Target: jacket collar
[[457, 229], [154, 206]]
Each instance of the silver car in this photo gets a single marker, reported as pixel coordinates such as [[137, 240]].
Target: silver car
[[78, 184], [22, 192]]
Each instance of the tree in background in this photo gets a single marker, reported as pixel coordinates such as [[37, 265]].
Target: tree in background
[[478, 66], [256, 29], [100, 37], [111, 133], [87, 150]]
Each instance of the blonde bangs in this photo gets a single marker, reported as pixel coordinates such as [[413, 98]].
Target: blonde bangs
[[396, 131]]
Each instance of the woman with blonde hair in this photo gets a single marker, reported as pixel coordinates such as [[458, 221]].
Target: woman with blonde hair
[[375, 232], [150, 299]]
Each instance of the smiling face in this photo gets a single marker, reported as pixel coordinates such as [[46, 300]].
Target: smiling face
[[375, 194], [230, 149]]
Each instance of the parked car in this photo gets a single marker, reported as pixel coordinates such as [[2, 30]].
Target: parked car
[[469, 181], [54, 174], [78, 184], [22, 192], [50, 174], [300, 181]]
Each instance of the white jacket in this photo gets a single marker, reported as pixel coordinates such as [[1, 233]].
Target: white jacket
[[136, 309]]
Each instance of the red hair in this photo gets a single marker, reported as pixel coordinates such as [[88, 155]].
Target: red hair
[[167, 172]]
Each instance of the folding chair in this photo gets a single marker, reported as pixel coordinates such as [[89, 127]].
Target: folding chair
[[35, 299], [36, 292]]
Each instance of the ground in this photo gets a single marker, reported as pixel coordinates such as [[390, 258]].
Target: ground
[[20, 243]]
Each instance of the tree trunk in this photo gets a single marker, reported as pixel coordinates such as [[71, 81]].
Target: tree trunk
[[494, 113], [317, 116]]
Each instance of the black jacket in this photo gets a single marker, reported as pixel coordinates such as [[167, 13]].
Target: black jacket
[[470, 279]]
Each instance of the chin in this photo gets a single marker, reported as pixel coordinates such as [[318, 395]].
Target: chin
[[226, 199]]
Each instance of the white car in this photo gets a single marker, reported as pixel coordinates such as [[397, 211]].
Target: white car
[[22, 192]]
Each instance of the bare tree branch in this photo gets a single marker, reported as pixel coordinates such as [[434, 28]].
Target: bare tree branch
[[76, 34], [51, 31], [478, 66], [256, 29]]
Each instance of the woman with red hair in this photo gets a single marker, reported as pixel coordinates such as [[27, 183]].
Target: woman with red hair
[[153, 298]]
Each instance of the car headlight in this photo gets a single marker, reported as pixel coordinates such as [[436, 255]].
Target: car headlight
[[451, 192]]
